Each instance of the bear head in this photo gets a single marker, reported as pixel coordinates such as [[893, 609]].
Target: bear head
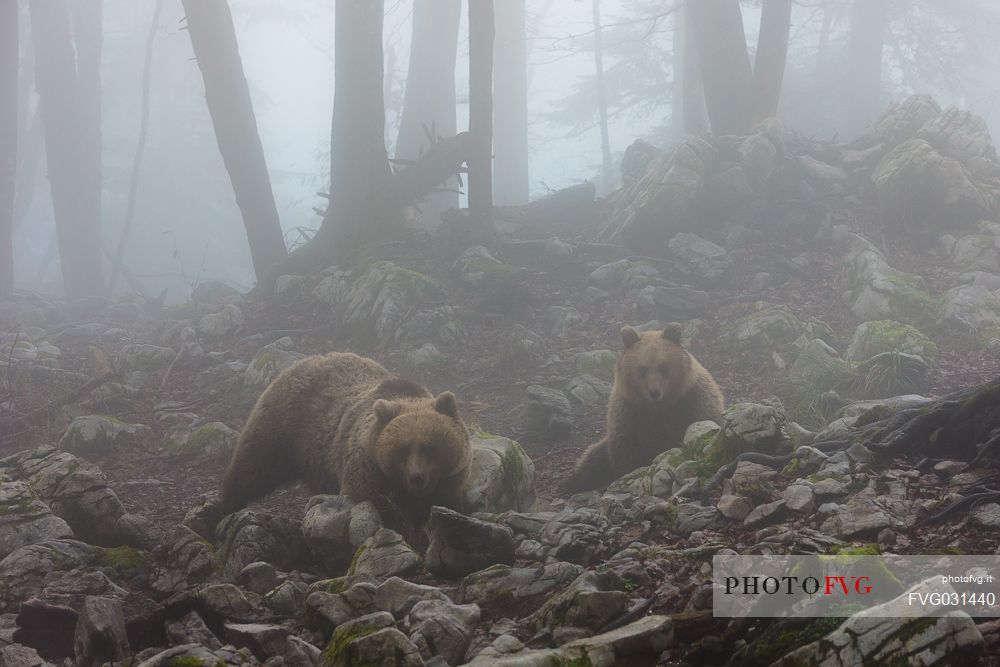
[[420, 442], [653, 369]]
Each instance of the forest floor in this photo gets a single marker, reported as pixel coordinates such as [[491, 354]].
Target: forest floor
[[163, 486]]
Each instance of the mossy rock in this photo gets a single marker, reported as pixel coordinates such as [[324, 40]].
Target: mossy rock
[[877, 336], [599, 363]]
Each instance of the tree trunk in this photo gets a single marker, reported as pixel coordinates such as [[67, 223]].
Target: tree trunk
[[868, 21], [481, 37], [140, 149], [689, 95], [213, 38], [8, 141], [430, 90], [823, 48], [772, 53], [67, 112], [510, 138], [602, 100], [361, 207], [725, 64]]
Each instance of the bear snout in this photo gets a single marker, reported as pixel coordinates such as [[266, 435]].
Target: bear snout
[[417, 481], [655, 394]]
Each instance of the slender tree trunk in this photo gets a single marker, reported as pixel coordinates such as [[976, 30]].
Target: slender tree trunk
[[868, 22], [140, 149], [8, 140], [602, 99], [213, 38], [30, 133], [823, 48], [725, 64], [510, 138], [430, 89], [68, 117], [481, 37], [689, 95], [772, 53], [361, 208]]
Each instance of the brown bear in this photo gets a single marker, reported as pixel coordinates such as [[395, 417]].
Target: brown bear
[[659, 390], [343, 424]]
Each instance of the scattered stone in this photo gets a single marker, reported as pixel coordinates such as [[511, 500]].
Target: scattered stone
[[501, 477], [335, 527], [460, 545], [597, 363], [223, 323], [548, 413], [385, 554], [98, 435]]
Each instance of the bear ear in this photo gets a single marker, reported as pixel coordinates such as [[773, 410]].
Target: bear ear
[[446, 404], [385, 411], [673, 332], [629, 337]]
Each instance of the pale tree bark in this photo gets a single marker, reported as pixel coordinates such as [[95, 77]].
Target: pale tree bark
[[602, 99], [481, 39], [213, 37], [511, 179], [868, 23], [361, 208], [140, 149], [772, 53], [725, 64], [430, 90], [8, 140], [688, 106], [68, 116]]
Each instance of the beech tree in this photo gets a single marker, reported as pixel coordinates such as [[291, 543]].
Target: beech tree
[[864, 73], [429, 101], [737, 95], [481, 39], [213, 37], [511, 183], [8, 141], [66, 74]]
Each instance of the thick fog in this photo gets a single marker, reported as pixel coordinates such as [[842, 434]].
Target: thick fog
[[188, 228]]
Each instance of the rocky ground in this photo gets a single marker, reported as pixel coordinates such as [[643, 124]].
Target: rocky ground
[[824, 286]]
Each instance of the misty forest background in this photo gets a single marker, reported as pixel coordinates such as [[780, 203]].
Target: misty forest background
[[116, 175]]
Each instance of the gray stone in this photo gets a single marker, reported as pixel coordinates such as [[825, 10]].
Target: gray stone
[[460, 545], [734, 507], [501, 581], [501, 478], [100, 633], [334, 527], [397, 596], [247, 536], [548, 413], [799, 498], [477, 266], [598, 363], [24, 519], [223, 323], [588, 390], [562, 319], [700, 258], [445, 628], [874, 637], [269, 361], [970, 308], [100, 435], [385, 554], [383, 296], [388, 647]]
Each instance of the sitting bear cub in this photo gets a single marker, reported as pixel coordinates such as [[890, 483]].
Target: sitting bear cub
[[343, 424], [659, 390]]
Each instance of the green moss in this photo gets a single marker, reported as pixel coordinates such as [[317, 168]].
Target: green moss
[[186, 661], [865, 550], [354, 561], [340, 640], [124, 559], [781, 640]]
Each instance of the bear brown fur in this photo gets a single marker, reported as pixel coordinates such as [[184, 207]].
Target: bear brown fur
[[659, 390], [343, 424]]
